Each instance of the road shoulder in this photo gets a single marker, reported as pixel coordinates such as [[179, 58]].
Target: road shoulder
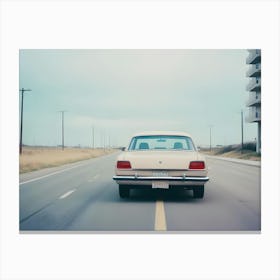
[[239, 161]]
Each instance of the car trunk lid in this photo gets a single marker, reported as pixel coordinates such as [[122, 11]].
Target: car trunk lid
[[161, 160]]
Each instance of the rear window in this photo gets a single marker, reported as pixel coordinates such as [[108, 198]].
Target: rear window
[[161, 142]]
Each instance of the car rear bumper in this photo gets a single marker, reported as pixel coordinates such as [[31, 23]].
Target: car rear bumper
[[148, 180]]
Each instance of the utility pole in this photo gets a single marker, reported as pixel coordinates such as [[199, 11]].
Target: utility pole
[[93, 137], [23, 90], [242, 132], [211, 137], [62, 128], [104, 141]]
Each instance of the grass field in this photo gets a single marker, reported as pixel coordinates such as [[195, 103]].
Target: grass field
[[248, 155], [234, 151], [34, 158]]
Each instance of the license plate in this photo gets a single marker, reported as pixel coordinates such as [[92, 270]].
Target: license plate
[[160, 185], [160, 174]]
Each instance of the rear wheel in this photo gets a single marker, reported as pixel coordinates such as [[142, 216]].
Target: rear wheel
[[124, 191], [198, 192]]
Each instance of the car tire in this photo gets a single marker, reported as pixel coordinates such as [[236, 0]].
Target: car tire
[[124, 191], [198, 192]]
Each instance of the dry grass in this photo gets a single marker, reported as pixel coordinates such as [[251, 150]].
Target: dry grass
[[34, 158], [248, 155]]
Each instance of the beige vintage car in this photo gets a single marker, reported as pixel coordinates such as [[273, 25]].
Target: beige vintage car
[[161, 160]]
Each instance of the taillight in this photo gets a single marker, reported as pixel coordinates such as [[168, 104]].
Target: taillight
[[123, 164], [197, 165]]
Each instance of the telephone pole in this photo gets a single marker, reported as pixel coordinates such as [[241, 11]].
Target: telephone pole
[[93, 137], [62, 128], [242, 132], [23, 90], [211, 137]]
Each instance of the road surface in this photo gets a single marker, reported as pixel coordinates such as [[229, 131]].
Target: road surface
[[83, 197]]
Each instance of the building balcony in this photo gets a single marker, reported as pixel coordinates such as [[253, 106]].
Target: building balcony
[[254, 85], [254, 57], [254, 70], [254, 99], [254, 115]]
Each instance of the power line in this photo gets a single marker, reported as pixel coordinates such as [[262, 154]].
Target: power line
[[23, 90]]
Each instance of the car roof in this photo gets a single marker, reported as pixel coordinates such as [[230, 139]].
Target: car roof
[[159, 132]]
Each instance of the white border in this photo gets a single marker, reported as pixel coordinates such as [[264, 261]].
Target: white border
[[156, 24]]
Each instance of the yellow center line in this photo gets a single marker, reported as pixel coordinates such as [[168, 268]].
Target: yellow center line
[[160, 221]]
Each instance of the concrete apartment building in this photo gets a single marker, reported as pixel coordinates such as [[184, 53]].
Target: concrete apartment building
[[254, 89]]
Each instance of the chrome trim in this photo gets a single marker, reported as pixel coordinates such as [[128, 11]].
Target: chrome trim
[[152, 178]]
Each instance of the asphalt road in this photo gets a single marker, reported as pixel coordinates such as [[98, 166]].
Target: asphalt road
[[83, 197]]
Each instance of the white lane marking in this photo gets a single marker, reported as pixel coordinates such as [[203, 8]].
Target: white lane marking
[[94, 178], [67, 194], [160, 220], [48, 175]]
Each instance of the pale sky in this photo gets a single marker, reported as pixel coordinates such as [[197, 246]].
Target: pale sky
[[122, 92]]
